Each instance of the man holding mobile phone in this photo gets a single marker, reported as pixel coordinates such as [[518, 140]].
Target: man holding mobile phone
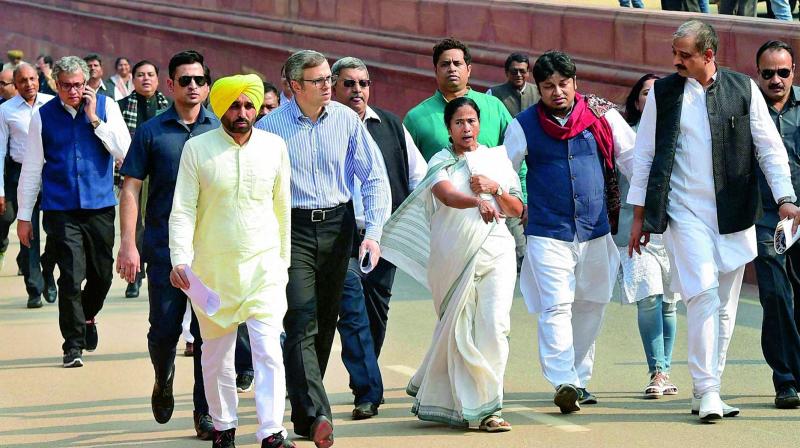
[[72, 144]]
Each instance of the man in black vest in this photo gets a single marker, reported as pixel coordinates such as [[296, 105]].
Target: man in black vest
[[365, 300], [702, 131], [779, 274]]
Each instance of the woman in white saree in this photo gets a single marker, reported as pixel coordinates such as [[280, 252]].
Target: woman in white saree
[[466, 257]]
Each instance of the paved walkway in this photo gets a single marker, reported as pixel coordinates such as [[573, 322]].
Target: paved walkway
[[106, 403]]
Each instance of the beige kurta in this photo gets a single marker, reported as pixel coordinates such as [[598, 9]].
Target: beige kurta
[[230, 221]]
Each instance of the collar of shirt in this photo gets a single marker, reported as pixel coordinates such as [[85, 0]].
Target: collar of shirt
[[522, 90], [18, 101], [563, 121], [695, 82], [370, 114], [301, 117], [72, 111], [171, 114], [441, 97]]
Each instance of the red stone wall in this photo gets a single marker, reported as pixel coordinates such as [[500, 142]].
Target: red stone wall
[[612, 46]]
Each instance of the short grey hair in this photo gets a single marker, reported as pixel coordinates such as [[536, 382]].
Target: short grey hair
[[70, 64], [19, 68], [300, 61], [348, 62], [705, 36]]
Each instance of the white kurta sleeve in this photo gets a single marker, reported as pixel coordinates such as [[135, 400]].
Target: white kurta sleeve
[[770, 151], [30, 178], [183, 218], [417, 167], [282, 203], [624, 141], [516, 144], [643, 152], [113, 132]]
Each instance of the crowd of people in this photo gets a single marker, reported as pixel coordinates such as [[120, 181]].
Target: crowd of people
[[777, 9], [297, 205]]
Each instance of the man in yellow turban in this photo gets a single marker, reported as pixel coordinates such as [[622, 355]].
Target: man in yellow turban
[[230, 222], [14, 59]]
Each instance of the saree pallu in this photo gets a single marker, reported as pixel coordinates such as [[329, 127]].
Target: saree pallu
[[470, 268]]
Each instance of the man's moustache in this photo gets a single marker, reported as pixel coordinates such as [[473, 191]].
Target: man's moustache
[[776, 86], [680, 66]]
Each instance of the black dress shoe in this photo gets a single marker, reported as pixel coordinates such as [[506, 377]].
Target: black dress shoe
[[364, 411], [132, 291], [35, 301], [787, 398], [50, 292], [203, 426], [322, 432], [277, 441], [224, 439], [162, 400]]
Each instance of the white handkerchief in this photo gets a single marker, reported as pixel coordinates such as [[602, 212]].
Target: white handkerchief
[[782, 244], [201, 295], [365, 263]]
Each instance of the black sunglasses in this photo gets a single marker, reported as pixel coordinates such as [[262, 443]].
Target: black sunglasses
[[517, 71], [364, 83], [769, 73], [184, 81]]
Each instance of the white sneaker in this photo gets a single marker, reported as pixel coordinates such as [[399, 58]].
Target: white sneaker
[[727, 411], [710, 407]]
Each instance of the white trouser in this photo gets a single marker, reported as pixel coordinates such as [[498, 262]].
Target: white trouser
[[219, 378], [710, 317], [185, 326], [566, 341]]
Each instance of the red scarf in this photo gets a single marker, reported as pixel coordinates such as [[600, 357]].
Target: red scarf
[[582, 118]]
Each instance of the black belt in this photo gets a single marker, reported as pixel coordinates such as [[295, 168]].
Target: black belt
[[317, 215]]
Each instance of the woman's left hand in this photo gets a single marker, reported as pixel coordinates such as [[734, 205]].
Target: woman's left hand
[[482, 184]]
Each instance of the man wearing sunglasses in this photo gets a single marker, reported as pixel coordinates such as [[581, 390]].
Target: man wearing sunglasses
[[329, 147], [154, 155], [517, 94], [702, 131], [779, 274], [72, 144], [365, 300]]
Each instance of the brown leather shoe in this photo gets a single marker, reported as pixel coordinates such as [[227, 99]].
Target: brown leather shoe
[[322, 432]]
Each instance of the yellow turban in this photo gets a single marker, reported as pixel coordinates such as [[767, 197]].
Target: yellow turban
[[15, 54], [227, 90]]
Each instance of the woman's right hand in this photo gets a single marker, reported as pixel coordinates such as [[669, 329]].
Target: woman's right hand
[[488, 212]]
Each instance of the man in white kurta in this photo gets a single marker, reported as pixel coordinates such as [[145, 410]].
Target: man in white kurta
[[708, 248], [230, 223], [570, 143]]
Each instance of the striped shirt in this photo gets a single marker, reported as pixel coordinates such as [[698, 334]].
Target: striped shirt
[[326, 155]]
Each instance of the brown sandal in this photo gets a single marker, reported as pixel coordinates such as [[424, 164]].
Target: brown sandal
[[494, 423]]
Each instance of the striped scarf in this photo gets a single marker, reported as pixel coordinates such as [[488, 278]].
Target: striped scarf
[[131, 112]]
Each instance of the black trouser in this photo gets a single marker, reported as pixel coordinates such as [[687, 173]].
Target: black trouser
[[680, 5], [243, 358], [82, 243], [37, 270], [320, 252], [779, 289], [167, 307], [377, 293], [746, 8]]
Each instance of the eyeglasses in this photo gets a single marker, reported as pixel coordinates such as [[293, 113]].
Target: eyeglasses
[[517, 71], [769, 73], [67, 87], [324, 80], [184, 81], [4, 83], [350, 83]]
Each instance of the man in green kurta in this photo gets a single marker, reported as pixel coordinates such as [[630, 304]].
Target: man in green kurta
[[425, 122]]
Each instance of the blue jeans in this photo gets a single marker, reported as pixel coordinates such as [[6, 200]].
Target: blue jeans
[[628, 3], [781, 9], [657, 326], [358, 350]]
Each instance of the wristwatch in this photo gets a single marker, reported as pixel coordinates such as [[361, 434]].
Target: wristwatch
[[499, 191], [95, 123], [784, 200]]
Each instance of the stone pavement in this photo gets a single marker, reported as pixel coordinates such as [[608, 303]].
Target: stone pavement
[[106, 403]]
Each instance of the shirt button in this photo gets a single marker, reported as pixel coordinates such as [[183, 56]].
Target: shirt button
[[571, 157], [572, 177], [576, 216], [576, 196]]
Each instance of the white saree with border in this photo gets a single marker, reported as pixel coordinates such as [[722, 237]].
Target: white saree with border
[[470, 268]]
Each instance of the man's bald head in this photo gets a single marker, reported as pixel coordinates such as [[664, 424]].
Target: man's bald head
[[7, 89]]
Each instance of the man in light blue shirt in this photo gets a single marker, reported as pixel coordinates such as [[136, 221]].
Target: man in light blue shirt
[[328, 146]]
